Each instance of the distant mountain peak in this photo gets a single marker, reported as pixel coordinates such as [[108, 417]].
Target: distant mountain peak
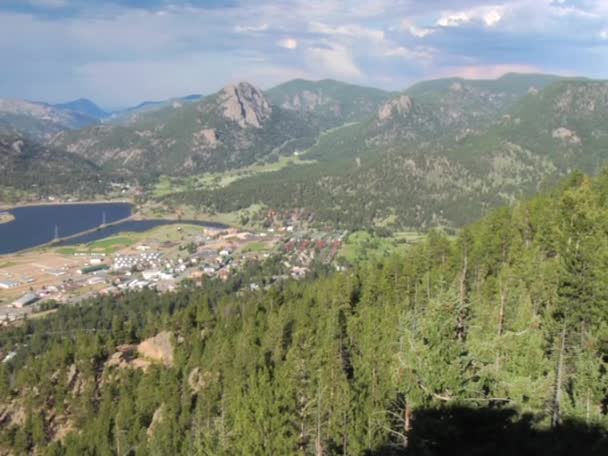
[[245, 104], [83, 106]]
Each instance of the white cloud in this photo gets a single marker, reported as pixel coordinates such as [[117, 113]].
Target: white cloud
[[288, 43], [337, 61], [414, 30], [488, 15], [420, 55], [604, 34], [251, 28], [350, 31]]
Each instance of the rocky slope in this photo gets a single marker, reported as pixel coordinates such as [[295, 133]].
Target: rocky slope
[[419, 162], [233, 128], [335, 102]]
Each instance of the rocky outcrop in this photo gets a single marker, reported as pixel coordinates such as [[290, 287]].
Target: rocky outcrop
[[206, 137], [566, 135], [200, 380], [245, 104], [400, 105], [158, 348]]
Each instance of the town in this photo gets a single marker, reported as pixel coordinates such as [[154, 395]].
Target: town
[[35, 283]]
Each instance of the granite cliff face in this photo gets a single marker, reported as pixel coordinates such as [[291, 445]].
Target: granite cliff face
[[245, 104]]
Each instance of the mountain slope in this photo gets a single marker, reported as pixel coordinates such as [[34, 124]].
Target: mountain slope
[[83, 106], [233, 128], [130, 115], [493, 343], [335, 102], [414, 166], [39, 120], [28, 166]]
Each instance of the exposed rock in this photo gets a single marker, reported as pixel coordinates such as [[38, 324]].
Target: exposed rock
[[400, 105], [123, 357], [566, 135], [12, 414], [61, 428], [245, 105], [199, 381], [71, 375], [157, 419], [126, 358], [207, 136], [158, 348]]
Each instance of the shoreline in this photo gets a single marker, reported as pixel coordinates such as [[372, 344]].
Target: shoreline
[[58, 242], [6, 217], [6, 207]]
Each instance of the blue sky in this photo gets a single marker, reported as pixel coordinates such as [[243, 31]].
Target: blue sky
[[120, 52]]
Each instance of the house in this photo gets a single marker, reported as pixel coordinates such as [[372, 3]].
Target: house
[[25, 300], [9, 284]]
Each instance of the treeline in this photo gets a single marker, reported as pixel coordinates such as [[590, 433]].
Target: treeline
[[493, 343]]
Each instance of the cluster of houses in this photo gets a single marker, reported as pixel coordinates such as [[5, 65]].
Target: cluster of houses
[[211, 255], [140, 261]]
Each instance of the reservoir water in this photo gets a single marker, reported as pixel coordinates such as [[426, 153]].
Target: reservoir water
[[38, 225]]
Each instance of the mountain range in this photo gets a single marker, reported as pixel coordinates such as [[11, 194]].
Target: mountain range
[[439, 153]]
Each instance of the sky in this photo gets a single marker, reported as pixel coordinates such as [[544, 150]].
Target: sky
[[121, 52]]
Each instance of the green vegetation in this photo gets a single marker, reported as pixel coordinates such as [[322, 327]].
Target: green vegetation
[[494, 342], [167, 185], [256, 247], [107, 246], [334, 102], [30, 169], [443, 158], [203, 136], [362, 245]]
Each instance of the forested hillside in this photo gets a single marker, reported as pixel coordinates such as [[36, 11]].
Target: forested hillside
[[335, 103], [236, 127], [442, 156], [27, 166], [492, 343]]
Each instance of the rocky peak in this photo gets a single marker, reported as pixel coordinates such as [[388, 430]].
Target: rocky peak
[[400, 105], [245, 104]]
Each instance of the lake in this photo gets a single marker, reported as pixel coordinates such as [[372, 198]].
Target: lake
[[38, 225]]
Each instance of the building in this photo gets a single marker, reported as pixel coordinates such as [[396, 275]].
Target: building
[[9, 284], [93, 269], [25, 300]]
